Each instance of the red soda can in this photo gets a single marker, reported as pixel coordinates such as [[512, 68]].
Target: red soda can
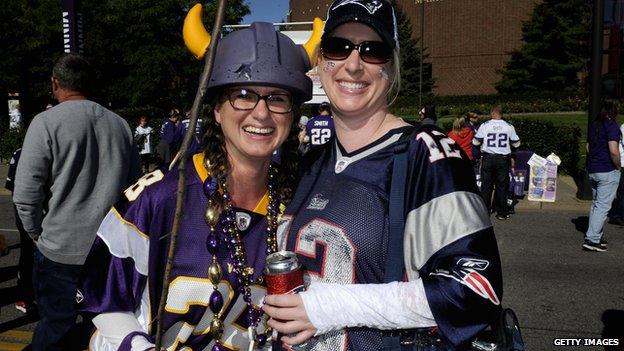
[[283, 273]]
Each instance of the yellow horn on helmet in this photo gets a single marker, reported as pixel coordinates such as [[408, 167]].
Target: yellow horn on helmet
[[315, 39], [196, 38]]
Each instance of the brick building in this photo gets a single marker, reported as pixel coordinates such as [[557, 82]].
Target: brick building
[[468, 41]]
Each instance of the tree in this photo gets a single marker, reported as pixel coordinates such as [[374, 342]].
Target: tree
[[554, 49], [31, 39], [135, 46], [145, 61], [410, 59]]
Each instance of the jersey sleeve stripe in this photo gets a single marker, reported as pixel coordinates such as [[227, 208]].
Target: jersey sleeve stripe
[[125, 240], [440, 222]]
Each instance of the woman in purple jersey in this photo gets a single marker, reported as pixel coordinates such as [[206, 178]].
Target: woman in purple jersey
[[338, 220], [234, 195]]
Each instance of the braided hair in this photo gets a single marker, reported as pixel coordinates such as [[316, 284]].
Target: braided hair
[[216, 154]]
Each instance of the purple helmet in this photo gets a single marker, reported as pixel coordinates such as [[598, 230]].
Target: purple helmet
[[260, 55]]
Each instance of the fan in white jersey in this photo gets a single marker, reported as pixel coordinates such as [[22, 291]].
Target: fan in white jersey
[[143, 139], [496, 139]]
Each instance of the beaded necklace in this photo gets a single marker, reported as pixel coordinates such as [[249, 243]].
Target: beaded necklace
[[230, 236]]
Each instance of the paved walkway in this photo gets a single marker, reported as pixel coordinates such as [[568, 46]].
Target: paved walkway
[[566, 198]]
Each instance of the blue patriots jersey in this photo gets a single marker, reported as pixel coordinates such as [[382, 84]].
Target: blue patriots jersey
[[337, 223], [126, 264]]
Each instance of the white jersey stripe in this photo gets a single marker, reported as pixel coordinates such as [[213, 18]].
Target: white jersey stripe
[[125, 240], [440, 222]]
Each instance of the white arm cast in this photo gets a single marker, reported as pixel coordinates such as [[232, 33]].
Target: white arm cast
[[114, 326], [396, 305]]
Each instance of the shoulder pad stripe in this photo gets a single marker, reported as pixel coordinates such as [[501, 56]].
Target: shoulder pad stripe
[[125, 240], [440, 222]]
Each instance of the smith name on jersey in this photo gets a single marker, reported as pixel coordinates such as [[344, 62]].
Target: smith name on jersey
[[126, 264], [338, 225]]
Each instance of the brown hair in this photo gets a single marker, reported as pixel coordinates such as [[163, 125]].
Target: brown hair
[[216, 153], [497, 109], [470, 115]]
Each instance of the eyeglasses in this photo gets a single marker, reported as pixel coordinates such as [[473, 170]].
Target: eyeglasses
[[375, 52], [247, 100]]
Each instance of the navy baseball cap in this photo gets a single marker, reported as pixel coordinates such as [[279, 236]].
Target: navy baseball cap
[[378, 14]]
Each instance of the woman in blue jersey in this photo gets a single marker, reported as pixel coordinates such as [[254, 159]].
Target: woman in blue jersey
[[338, 220], [233, 199]]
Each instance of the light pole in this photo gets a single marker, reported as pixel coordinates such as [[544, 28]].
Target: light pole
[[422, 48], [596, 61], [595, 80]]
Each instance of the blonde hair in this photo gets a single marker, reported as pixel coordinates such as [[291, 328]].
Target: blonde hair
[[458, 124], [395, 85]]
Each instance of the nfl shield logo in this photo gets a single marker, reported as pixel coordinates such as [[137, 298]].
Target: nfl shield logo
[[242, 220]]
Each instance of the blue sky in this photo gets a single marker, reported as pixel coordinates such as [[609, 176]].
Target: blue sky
[[267, 10]]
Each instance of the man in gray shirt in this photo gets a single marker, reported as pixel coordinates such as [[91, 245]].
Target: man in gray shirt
[[76, 159]]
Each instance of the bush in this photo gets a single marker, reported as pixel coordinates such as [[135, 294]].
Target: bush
[[481, 104], [10, 140], [543, 137]]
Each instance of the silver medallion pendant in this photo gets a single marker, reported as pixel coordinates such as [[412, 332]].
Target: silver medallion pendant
[[242, 221]]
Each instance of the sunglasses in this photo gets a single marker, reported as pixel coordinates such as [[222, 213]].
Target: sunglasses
[[375, 52]]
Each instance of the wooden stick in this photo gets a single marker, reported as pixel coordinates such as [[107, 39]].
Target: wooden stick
[[199, 98]]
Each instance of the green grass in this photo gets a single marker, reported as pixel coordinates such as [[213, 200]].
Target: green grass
[[560, 118], [564, 119]]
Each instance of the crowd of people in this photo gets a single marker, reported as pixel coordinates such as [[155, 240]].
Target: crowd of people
[[414, 261]]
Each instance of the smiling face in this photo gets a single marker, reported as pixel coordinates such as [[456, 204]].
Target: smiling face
[[253, 134], [354, 87]]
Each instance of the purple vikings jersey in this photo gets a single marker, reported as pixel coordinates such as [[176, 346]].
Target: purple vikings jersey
[[337, 223], [320, 129], [127, 261]]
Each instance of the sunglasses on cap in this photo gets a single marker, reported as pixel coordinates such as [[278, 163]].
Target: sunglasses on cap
[[375, 52]]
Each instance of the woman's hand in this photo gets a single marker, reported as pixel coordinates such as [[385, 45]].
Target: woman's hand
[[289, 317]]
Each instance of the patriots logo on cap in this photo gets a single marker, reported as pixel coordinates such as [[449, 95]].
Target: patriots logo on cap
[[466, 273], [370, 5]]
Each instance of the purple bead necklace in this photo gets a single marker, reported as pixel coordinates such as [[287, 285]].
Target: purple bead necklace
[[230, 236]]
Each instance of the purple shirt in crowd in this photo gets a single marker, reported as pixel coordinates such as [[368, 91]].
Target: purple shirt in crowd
[[598, 135], [320, 129]]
